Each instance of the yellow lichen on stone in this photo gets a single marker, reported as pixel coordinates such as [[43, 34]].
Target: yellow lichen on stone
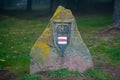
[[45, 49], [62, 14], [46, 34], [45, 37], [58, 11], [37, 44]]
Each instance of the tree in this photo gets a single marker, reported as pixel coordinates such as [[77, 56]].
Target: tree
[[115, 29], [29, 5], [116, 14]]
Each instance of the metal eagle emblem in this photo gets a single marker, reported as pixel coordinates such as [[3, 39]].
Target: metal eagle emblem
[[61, 34]]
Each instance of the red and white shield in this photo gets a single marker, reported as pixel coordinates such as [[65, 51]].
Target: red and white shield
[[61, 34]]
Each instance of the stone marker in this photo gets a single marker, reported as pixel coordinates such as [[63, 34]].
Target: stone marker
[[60, 46]]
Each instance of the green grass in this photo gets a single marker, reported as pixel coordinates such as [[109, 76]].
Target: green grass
[[62, 73], [114, 53], [59, 73], [30, 77], [107, 52], [16, 39], [93, 22], [17, 36], [97, 74]]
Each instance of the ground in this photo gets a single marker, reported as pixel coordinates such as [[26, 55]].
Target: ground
[[18, 32]]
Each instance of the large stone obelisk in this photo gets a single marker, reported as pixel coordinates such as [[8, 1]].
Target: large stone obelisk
[[60, 46]]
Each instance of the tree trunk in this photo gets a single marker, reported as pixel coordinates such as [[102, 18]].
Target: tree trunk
[[114, 30], [29, 5], [116, 14]]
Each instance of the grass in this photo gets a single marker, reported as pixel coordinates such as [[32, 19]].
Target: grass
[[63, 73], [59, 73], [17, 36], [97, 74], [30, 77], [16, 40], [93, 22]]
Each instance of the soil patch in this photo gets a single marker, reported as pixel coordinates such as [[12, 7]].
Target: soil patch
[[6, 75], [113, 71], [109, 33]]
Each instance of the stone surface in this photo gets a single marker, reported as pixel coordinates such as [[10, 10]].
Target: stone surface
[[60, 46]]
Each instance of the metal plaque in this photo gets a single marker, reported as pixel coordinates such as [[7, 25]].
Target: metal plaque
[[61, 34]]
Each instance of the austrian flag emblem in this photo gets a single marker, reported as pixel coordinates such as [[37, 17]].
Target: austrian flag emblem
[[62, 40]]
